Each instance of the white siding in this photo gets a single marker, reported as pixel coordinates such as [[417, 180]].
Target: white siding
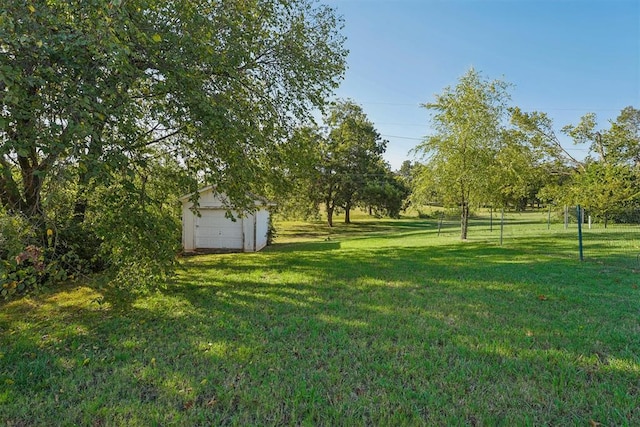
[[248, 229], [188, 229], [262, 227]]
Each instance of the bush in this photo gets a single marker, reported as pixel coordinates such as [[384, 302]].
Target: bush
[[139, 241], [437, 214], [28, 271], [78, 248], [15, 234], [27, 261]]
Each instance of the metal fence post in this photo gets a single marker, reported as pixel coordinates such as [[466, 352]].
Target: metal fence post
[[501, 225], [580, 232]]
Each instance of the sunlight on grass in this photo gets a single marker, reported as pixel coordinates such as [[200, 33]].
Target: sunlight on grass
[[171, 307], [292, 300], [218, 348], [385, 323], [624, 365]]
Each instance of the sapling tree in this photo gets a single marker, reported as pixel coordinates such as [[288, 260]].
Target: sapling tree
[[467, 119]]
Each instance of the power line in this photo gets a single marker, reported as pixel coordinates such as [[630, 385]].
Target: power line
[[528, 108], [403, 104], [402, 137], [572, 109], [422, 139], [403, 124]]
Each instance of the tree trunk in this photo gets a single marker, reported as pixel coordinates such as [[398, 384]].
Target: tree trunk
[[9, 194], [80, 205], [464, 220], [347, 214], [329, 209], [32, 185], [94, 151]]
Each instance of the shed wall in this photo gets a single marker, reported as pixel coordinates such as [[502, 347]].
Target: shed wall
[[262, 228], [212, 230]]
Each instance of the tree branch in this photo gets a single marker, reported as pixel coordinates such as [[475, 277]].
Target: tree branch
[[154, 141]]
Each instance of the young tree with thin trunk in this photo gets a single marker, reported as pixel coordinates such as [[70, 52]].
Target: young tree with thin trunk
[[468, 120]]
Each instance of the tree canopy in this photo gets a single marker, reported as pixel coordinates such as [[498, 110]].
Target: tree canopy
[[468, 119], [108, 104], [340, 166], [606, 181], [351, 154], [486, 153]]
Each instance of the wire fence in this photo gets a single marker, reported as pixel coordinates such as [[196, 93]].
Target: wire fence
[[553, 231]]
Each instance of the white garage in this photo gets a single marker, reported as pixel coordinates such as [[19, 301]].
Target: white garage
[[213, 231]]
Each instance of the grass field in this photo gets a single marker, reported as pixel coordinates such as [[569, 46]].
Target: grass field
[[382, 322]]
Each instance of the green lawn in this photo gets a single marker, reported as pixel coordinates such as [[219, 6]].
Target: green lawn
[[378, 323]]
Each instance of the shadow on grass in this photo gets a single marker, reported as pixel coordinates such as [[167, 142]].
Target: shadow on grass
[[326, 245], [355, 228], [322, 334]]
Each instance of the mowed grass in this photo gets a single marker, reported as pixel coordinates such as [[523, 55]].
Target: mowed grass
[[377, 323]]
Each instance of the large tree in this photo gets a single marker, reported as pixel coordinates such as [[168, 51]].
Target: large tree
[[623, 137], [620, 144], [97, 95], [468, 121], [607, 184], [339, 166], [350, 157]]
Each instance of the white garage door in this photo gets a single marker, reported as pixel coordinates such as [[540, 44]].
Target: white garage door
[[213, 230]]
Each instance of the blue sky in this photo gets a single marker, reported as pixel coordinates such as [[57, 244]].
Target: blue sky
[[563, 57]]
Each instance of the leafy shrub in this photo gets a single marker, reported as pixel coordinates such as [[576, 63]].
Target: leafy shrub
[[271, 231], [27, 261], [28, 271], [15, 234], [78, 249], [139, 239], [433, 215]]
